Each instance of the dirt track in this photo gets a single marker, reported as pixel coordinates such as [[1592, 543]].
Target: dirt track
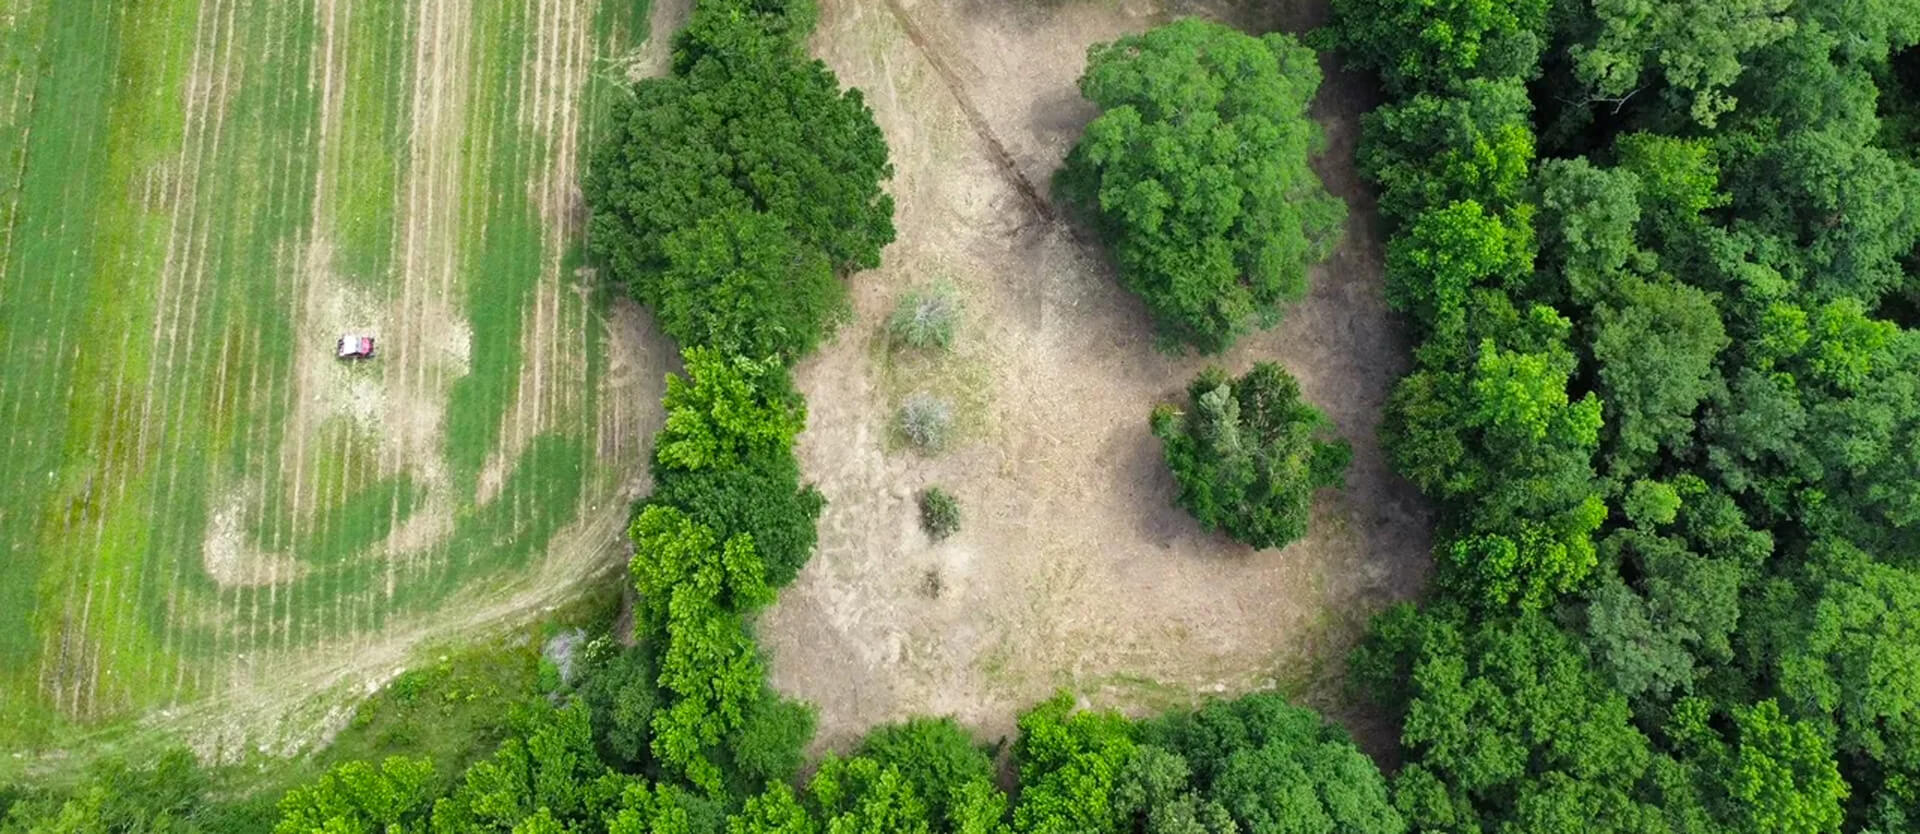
[[1074, 568]]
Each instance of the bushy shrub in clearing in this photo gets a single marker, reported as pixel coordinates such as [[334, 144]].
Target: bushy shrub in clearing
[[926, 316], [1249, 454], [926, 421], [939, 513]]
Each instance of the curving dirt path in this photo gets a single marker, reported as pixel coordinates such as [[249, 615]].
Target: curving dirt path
[[1073, 568]]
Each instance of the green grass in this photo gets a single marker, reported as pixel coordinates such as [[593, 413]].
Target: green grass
[[448, 709], [151, 261]]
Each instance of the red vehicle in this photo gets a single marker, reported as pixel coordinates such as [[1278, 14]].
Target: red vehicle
[[354, 346]]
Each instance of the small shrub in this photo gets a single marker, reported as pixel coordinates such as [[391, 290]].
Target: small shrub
[[926, 421], [939, 513], [926, 316]]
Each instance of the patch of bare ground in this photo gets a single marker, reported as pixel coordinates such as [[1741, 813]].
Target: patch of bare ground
[[1074, 568]]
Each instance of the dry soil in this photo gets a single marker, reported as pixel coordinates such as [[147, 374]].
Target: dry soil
[[1074, 568]]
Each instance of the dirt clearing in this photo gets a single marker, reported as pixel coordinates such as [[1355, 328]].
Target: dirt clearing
[[1073, 567]]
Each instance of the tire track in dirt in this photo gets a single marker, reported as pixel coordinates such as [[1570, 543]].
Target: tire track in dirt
[[215, 230], [265, 568], [549, 109], [1002, 158], [225, 600], [415, 408]]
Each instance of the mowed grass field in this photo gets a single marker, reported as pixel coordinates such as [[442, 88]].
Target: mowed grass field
[[204, 517]]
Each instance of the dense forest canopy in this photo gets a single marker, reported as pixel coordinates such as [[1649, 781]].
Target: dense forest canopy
[[1662, 257]]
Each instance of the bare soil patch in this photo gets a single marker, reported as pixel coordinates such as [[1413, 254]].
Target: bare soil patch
[[1073, 567]]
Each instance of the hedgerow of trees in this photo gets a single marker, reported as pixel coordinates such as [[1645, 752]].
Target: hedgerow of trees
[[1196, 172]]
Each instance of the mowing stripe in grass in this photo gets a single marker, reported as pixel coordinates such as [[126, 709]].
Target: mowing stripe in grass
[[162, 181]]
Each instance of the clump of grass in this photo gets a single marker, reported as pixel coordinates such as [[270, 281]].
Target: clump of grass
[[926, 421], [926, 316], [939, 513]]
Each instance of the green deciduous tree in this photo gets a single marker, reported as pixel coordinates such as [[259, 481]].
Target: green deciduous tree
[[663, 808], [1070, 765], [1656, 343], [1849, 209], [1677, 179], [1511, 452], [726, 412], [620, 688], [1694, 48], [546, 777], [1436, 45], [1658, 636], [747, 129], [1506, 727], [1196, 170], [1845, 649], [1277, 769], [1475, 143], [394, 797], [943, 767], [695, 592], [1588, 219], [777, 811], [761, 496], [1249, 454], [1450, 250], [860, 794], [1781, 775], [728, 28], [738, 282]]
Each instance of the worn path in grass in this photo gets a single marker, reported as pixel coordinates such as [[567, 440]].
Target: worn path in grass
[[1073, 567], [210, 528]]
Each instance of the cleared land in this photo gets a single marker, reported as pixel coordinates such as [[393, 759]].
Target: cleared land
[[1074, 568], [208, 521]]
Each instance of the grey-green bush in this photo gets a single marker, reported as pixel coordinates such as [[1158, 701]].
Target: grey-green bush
[[926, 421], [926, 316]]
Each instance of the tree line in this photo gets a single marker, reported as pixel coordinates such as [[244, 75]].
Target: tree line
[[1661, 258]]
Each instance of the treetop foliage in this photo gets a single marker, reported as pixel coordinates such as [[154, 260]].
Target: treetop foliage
[[727, 411], [1440, 45], [737, 281], [730, 195], [1196, 171], [1666, 402], [1249, 454]]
